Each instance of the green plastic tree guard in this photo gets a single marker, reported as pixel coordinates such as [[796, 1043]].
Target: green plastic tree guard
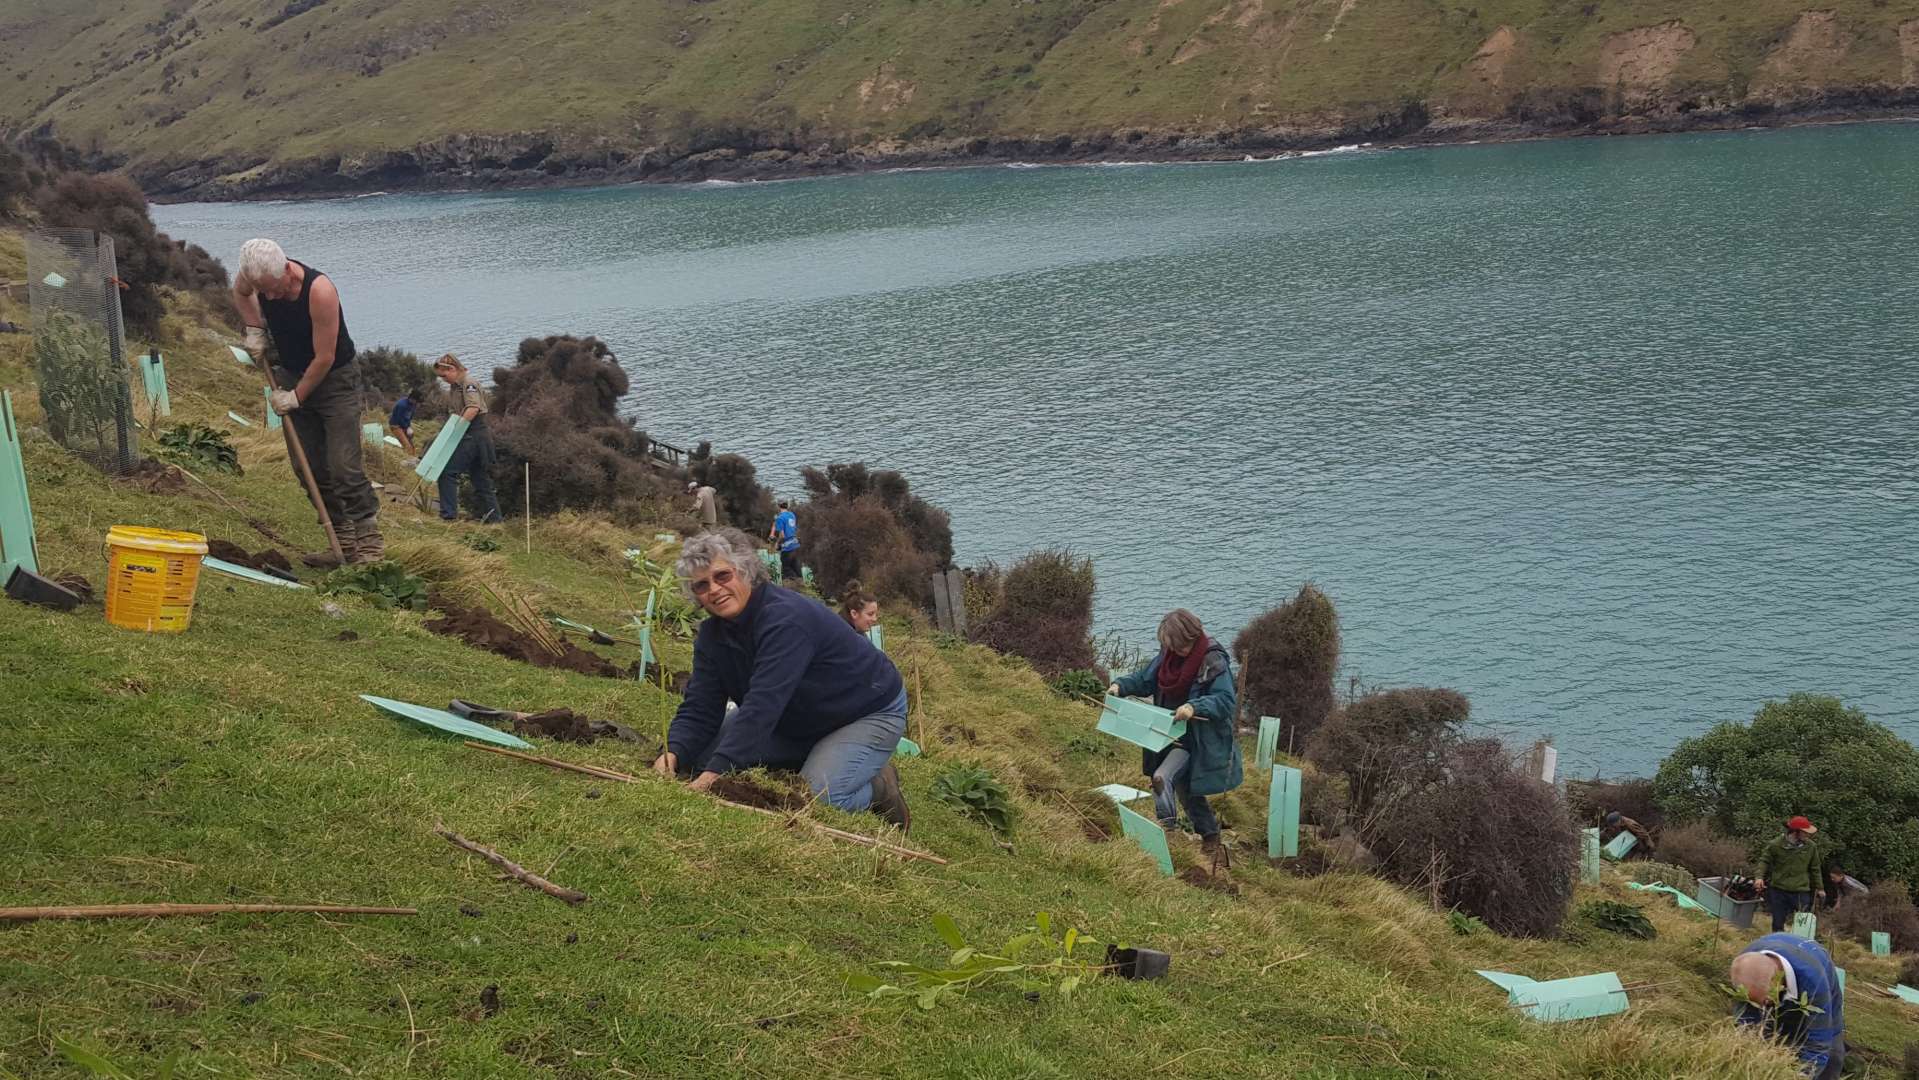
[[240, 355], [1686, 903], [372, 433], [16, 513], [273, 418], [247, 572], [1805, 924], [1589, 856], [906, 748], [1149, 835], [1120, 793], [1620, 846], [1141, 724], [1563, 999], [1881, 943], [1282, 813], [445, 721], [153, 378], [1906, 994], [238, 419], [1841, 972], [433, 462], [1268, 747], [877, 635]]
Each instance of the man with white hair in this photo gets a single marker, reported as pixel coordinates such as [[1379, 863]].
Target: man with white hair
[[1792, 991], [299, 306]]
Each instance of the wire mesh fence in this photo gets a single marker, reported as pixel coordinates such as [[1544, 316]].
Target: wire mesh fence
[[79, 346]]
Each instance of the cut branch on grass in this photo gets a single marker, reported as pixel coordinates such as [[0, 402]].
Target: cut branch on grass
[[555, 763], [527, 877]]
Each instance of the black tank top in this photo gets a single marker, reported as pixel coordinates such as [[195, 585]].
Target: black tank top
[[291, 322]]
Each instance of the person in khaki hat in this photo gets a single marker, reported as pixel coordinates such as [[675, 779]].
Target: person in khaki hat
[[1792, 872]]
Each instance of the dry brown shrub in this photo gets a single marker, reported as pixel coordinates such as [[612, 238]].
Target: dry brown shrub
[[1287, 659], [1388, 744], [869, 526], [1486, 839], [1045, 613], [1591, 800], [1701, 850], [1888, 909]]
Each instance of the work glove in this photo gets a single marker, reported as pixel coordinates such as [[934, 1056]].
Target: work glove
[[254, 342], [285, 401]]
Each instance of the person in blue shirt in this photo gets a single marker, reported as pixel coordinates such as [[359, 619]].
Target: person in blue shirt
[[400, 421], [786, 534], [1792, 992], [813, 695]]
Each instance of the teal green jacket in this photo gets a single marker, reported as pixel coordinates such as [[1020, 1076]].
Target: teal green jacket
[[1216, 766], [1793, 869]]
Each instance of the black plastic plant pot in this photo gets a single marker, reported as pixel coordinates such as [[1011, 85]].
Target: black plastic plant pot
[[1138, 963], [27, 586]]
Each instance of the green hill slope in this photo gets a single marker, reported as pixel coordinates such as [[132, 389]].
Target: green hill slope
[[233, 97], [233, 763]]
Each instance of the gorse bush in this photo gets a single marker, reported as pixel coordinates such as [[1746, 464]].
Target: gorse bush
[[1702, 851], [745, 503], [1388, 745], [1287, 660], [1857, 780], [146, 258], [868, 525], [1888, 908], [1486, 839], [389, 373], [1591, 800], [1044, 612]]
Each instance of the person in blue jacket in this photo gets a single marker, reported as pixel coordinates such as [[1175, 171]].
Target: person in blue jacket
[[1193, 676], [1792, 991], [786, 533], [813, 695]]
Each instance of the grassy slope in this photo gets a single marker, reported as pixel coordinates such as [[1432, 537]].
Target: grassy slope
[[130, 76], [233, 763]]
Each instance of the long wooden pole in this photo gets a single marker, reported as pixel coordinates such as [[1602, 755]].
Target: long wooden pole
[[298, 454], [527, 877], [555, 763], [141, 911]]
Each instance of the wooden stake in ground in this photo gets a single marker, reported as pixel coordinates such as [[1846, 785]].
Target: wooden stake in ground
[[146, 911], [527, 487], [531, 879]]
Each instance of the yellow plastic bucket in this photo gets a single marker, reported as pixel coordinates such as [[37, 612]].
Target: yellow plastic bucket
[[151, 576]]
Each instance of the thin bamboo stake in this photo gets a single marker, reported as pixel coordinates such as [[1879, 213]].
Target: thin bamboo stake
[[114, 911], [555, 763], [841, 834], [527, 487], [528, 877]]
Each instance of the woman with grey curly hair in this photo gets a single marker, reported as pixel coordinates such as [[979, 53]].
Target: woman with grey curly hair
[[1193, 676], [813, 695]]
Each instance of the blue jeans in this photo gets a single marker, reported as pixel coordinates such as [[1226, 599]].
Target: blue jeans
[[840, 766], [474, 457], [1170, 791], [1784, 905]]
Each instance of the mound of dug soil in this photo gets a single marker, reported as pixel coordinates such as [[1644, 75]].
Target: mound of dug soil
[[746, 792], [263, 560], [482, 631], [566, 725]]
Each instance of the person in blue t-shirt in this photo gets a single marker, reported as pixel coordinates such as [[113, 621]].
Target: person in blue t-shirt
[[400, 421], [786, 534]]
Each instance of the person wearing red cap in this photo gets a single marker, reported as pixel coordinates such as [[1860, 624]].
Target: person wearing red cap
[[1791, 872]]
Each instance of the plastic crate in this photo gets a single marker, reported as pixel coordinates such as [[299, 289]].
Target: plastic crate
[[1737, 913]]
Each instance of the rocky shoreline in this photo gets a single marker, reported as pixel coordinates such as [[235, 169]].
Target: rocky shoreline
[[535, 160]]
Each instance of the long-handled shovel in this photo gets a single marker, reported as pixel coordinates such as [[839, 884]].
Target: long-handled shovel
[[298, 455]]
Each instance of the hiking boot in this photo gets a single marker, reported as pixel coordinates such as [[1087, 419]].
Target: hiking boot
[[368, 545], [325, 560], [889, 802]]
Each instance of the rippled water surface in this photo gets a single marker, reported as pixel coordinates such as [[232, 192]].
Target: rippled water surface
[[1620, 437]]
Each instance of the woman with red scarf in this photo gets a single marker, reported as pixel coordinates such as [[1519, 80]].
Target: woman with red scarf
[[1192, 676]]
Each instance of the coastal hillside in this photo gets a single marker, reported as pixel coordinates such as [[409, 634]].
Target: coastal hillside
[[231, 98]]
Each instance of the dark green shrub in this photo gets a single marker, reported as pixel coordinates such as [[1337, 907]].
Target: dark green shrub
[[1287, 660], [1079, 684], [385, 584], [1387, 745], [1483, 838], [198, 446], [745, 503], [1045, 612], [1857, 780], [390, 373], [1617, 918], [979, 794]]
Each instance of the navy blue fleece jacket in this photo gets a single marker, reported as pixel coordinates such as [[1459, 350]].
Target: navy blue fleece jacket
[[795, 669]]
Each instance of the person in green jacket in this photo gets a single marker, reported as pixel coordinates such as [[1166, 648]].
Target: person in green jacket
[[1193, 676], [1792, 872]]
